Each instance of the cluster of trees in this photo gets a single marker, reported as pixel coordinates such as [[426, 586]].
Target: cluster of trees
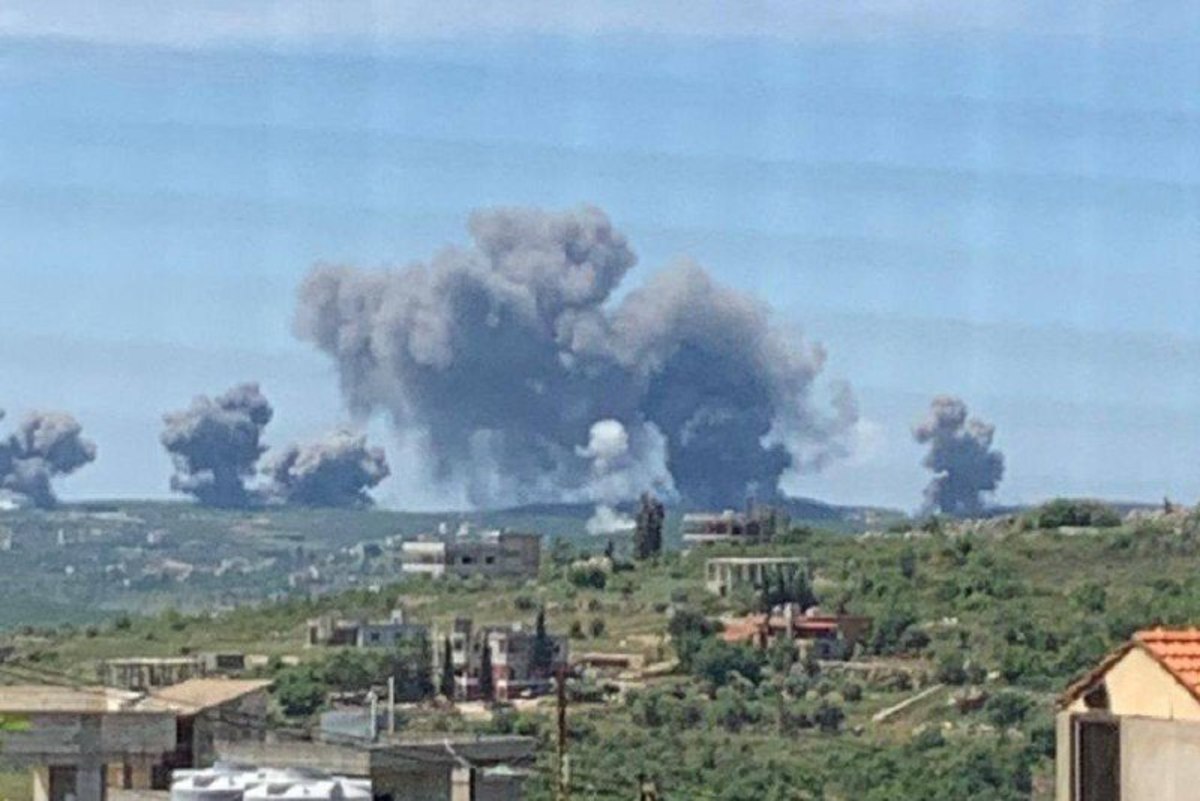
[[1072, 512], [782, 586], [303, 689]]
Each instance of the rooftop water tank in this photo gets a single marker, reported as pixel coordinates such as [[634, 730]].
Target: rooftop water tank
[[225, 781], [333, 788]]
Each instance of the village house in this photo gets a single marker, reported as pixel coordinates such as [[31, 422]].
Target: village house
[[1130, 729], [67, 735], [727, 575], [334, 630], [202, 711], [758, 524], [814, 632], [511, 650], [499, 554]]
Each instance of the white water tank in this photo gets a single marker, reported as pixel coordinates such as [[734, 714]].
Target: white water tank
[[299, 788], [225, 781], [229, 781]]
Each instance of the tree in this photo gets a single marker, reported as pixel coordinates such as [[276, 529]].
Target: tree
[[542, 658], [717, 661], [647, 538], [782, 654], [782, 586], [410, 663], [300, 690], [447, 682], [829, 717], [689, 629], [487, 681]]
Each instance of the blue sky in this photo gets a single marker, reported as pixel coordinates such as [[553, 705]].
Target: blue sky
[[994, 199]]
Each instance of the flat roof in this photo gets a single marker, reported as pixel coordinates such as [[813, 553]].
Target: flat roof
[[34, 698], [197, 695]]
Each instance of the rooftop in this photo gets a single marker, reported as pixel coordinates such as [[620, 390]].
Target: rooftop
[[196, 695], [29, 698], [1176, 650]]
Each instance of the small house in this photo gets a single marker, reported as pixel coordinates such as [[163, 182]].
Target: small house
[[1130, 729]]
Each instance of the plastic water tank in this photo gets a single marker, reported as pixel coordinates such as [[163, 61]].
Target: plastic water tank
[[300, 788], [224, 781]]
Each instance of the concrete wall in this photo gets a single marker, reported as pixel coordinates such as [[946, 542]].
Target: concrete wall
[[61, 738], [1160, 760]]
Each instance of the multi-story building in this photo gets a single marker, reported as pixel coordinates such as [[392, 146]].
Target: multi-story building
[[758, 524], [511, 647], [501, 554], [333, 630]]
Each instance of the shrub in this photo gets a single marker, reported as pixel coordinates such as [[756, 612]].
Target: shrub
[[588, 576], [829, 717], [718, 661], [300, 690], [1007, 708], [1072, 512]]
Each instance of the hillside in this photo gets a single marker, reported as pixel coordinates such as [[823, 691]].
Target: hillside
[[1000, 608], [85, 563]]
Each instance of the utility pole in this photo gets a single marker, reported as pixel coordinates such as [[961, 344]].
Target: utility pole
[[564, 760], [391, 717]]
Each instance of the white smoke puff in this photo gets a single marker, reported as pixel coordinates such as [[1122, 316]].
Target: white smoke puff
[[334, 471], [503, 355], [961, 457], [608, 441], [607, 520], [44, 446]]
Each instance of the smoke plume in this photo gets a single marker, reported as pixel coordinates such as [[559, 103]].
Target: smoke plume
[[335, 471], [960, 456], [504, 356], [44, 446], [215, 444]]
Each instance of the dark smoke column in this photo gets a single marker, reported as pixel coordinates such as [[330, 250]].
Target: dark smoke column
[[509, 360], [335, 471], [215, 444], [44, 446], [960, 456]]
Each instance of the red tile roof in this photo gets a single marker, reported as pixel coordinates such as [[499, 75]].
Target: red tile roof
[[744, 629], [1177, 650]]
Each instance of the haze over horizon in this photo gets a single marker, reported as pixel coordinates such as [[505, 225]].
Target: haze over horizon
[[1002, 204]]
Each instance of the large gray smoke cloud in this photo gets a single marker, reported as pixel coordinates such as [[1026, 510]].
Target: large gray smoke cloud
[[45, 445], [501, 358], [335, 471], [960, 456], [215, 444]]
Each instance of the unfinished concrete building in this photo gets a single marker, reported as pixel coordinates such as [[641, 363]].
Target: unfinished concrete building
[[502, 554], [67, 736]]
